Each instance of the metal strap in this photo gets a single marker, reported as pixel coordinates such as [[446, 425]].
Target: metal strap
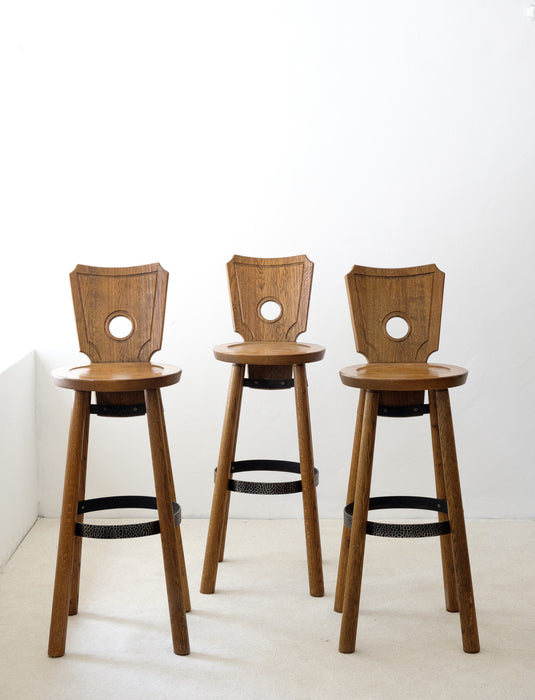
[[403, 529], [269, 488], [118, 411], [114, 532], [268, 383], [418, 409]]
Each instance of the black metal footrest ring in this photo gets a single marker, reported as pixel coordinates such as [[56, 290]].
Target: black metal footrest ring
[[267, 488], [114, 532], [403, 529]]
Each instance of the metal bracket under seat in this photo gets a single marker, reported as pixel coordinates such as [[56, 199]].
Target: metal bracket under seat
[[114, 532], [419, 409], [118, 411], [403, 529]]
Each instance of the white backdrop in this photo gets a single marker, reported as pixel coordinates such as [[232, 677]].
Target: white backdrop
[[379, 133]]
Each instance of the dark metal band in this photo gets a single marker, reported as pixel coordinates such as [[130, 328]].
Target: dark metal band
[[114, 532], [268, 383], [403, 529], [418, 409], [118, 411], [267, 488]]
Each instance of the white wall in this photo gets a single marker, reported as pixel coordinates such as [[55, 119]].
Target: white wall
[[18, 464], [386, 134]]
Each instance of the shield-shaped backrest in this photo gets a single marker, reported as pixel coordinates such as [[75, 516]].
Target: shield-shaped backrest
[[396, 312], [270, 296], [119, 311]]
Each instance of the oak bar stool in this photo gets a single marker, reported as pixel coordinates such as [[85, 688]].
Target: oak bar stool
[[274, 360], [119, 317], [393, 384]]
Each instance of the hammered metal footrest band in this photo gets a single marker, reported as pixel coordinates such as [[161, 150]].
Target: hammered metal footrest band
[[268, 383], [114, 532], [403, 529], [267, 488]]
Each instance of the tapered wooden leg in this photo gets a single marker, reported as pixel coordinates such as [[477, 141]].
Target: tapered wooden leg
[[164, 499], [77, 559], [346, 532], [448, 571], [461, 560], [65, 556], [226, 453], [310, 504], [350, 613], [183, 572], [227, 497]]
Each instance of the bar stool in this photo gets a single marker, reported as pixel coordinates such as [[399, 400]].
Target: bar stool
[[396, 322], [119, 318], [270, 299]]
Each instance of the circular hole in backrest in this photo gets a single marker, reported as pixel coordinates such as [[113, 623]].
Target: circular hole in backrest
[[120, 327], [270, 310], [397, 328]]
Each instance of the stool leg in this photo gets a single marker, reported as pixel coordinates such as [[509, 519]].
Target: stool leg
[[346, 532], [227, 497], [310, 504], [164, 498], [350, 613], [448, 571], [77, 559], [183, 572], [461, 560], [226, 453], [65, 556]]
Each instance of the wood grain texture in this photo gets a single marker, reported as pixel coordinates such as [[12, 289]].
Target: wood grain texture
[[164, 497], [269, 353], [120, 373], [285, 281], [310, 505], [398, 374], [414, 294], [361, 498], [65, 555], [346, 532], [219, 501], [101, 294], [116, 377], [403, 376], [459, 544]]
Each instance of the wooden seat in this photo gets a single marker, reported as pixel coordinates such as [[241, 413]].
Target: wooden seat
[[119, 317], [396, 321], [273, 360]]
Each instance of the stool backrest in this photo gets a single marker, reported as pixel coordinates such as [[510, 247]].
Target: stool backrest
[[119, 311], [396, 312], [270, 296]]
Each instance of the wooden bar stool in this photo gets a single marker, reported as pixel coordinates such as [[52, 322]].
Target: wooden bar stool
[[396, 321], [119, 317], [270, 299]]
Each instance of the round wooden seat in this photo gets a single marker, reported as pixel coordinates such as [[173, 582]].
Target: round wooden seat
[[269, 353], [403, 376], [116, 376]]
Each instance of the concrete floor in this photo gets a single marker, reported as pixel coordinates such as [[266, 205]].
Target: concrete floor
[[261, 635]]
